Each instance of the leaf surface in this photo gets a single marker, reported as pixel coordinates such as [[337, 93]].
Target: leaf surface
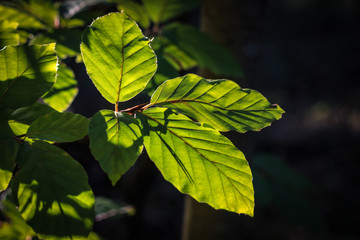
[[24, 19], [221, 104], [115, 141], [26, 73], [8, 33], [135, 11], [20, 120], [117, 57], [16, 227], [62, 94], [198, 161], [59, 127], [52, 192], [8, 151]]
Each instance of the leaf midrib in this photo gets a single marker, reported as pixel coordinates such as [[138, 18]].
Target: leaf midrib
[[229, 179]]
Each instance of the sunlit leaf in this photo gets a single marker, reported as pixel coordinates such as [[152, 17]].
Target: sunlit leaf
[[8, 33], [207, 53], [62, 94], [117, 57], [198, 161], [20, 119], [8, 151], [115, 141], [59, 127], [24, 19], [52, 192], [221, 104], [163, 10], [26, 73]]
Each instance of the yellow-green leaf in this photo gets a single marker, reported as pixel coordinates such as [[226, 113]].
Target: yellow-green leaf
[[198, 161], [115, 141], [221, 104], [117, 56]]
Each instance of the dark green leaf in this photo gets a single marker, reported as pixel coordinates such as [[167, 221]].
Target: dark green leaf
[[163, 10], [52, 192], [117, 57], [173, 55], [8, 151], [165, 71], [221, 104], [67, 41], [207, 53], [135, 11], [198, 161], [115, 141], [62, 94], [20, 119], [59, 127], [26, 73]]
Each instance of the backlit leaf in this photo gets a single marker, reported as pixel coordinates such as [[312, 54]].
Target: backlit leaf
[[62, 94], [52, 192], [117, 57], [198, 161], [115, 141], [24, 19], [221, 104], [26, 73], [8, 33], [59, 127]]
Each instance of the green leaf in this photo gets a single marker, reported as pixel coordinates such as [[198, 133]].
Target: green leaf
[[221, 104], [26, 73], [163, 10], [59, 127], [207, 53], [67, 41], [198, 161], [25, 20], [16, 228], [8, 33], [62, 94], [8, 151], [117, 57], [173, 54], [165, 71], [20, 119], [52, 192], [135, 11], [115, 141]]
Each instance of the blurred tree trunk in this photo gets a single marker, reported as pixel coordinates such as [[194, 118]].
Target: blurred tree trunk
[[231, 23]]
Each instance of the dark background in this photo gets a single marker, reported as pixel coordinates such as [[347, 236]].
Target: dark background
[[303, 55]]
